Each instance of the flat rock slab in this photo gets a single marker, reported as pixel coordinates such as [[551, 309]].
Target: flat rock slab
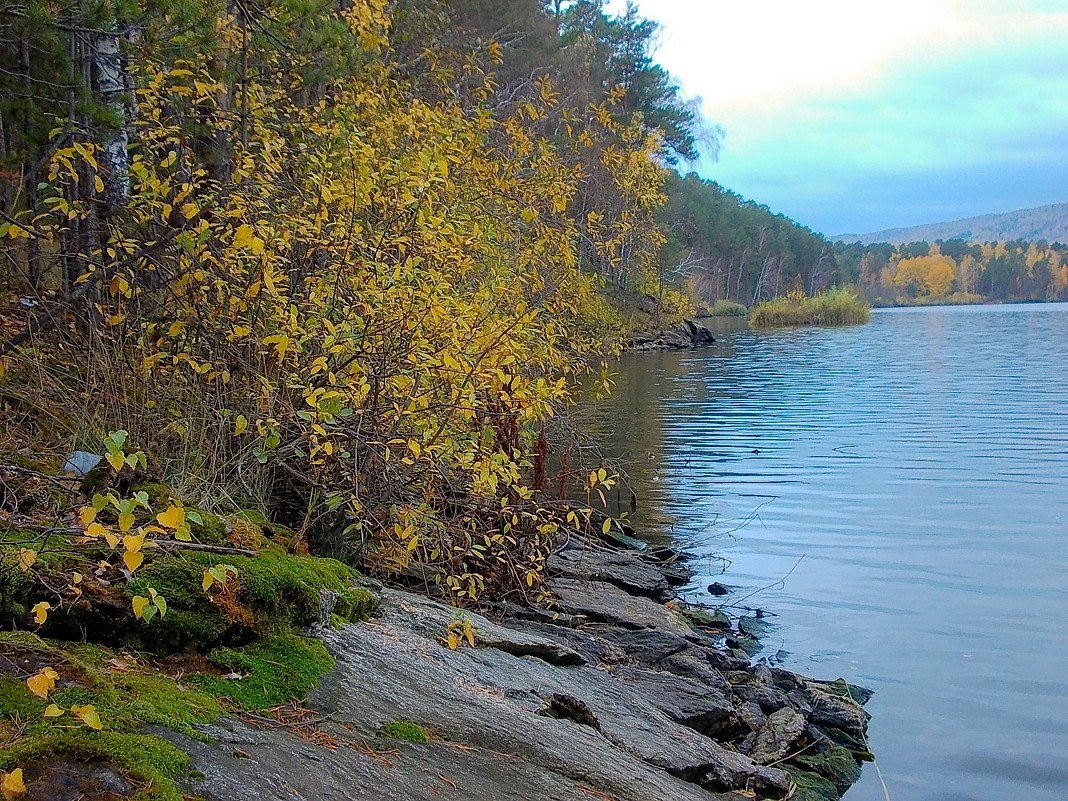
[[487, 704], [624, 570], [601, 602]]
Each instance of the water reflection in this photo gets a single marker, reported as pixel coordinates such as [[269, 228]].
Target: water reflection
[[918, 467]]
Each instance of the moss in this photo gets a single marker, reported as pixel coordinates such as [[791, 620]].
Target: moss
[[212, 529], [272, 593], [837, 764], [276, 670], [159, 494], [695, 618], [17, 702], [254, 517], [126, 696], [143, 757], [406, 730], [811, 786], [15, 588], [244, 534], [356, 605]]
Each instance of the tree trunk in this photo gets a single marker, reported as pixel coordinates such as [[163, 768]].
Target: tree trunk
[[111, 85]]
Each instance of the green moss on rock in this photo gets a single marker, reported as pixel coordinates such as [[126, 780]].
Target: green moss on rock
[[275, 670], [836, 764], [272, 593], [143, 757], [407, 730], [811, 786]]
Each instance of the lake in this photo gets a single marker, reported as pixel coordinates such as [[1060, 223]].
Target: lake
[[902, 487]]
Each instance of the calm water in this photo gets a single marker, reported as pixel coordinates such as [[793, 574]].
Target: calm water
[[918, 469]]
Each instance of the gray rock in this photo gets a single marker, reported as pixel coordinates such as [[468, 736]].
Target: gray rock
[[829, 709], [626, 571], [777, 736], [648, 646], [607, 603], [687, 334]]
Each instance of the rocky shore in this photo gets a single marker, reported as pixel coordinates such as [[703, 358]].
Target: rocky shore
[[616, 692], [686, 334]]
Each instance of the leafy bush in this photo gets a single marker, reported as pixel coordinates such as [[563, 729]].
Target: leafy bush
[[836, 306], [728, 308]]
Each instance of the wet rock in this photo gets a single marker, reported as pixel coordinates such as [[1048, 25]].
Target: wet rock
[[777, 737], [715, 588], [833, 710], [768, 698], [836, 764], [687, 334]]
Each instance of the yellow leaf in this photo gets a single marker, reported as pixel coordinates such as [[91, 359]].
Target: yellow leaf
[[53, 711], [173, 518], [27, 557], [243, 236], [111, 539], [12, 784], [454, 640], [116, 459], [139, 603], [87, 714], [240, 425], [40, 612], [98, 183], [133, 542], [126, 522], [95, 530], [87, 515], [208, 580], [413, 446], [133, 560], [607, 526], [176, 328], [42, 682]]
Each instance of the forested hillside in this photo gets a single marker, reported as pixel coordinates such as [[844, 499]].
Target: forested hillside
[[733, 249], [1048, 223]]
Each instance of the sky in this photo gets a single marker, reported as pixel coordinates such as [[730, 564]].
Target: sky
[[856, 115]]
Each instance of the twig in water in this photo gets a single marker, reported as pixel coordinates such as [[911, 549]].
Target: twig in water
[[781, 581]]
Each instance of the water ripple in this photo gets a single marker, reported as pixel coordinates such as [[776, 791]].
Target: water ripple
[[919, 464]]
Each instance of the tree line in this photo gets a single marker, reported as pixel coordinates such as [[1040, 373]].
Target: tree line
[[955, 270]]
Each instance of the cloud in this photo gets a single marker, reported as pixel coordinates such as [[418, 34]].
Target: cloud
[[854, 117]]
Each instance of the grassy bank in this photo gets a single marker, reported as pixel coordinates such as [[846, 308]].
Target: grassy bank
[[132, 628], [834, 307]]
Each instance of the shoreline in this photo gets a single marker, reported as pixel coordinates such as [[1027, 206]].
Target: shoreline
[[618, 691]]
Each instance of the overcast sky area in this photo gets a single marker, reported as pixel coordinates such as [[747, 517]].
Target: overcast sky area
[[853, 116]]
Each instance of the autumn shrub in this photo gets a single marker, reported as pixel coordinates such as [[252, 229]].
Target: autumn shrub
[[728, 308], [837, 306], [367, 327]]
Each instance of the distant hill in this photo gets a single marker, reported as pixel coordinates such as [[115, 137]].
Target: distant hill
[[1045, 222]]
